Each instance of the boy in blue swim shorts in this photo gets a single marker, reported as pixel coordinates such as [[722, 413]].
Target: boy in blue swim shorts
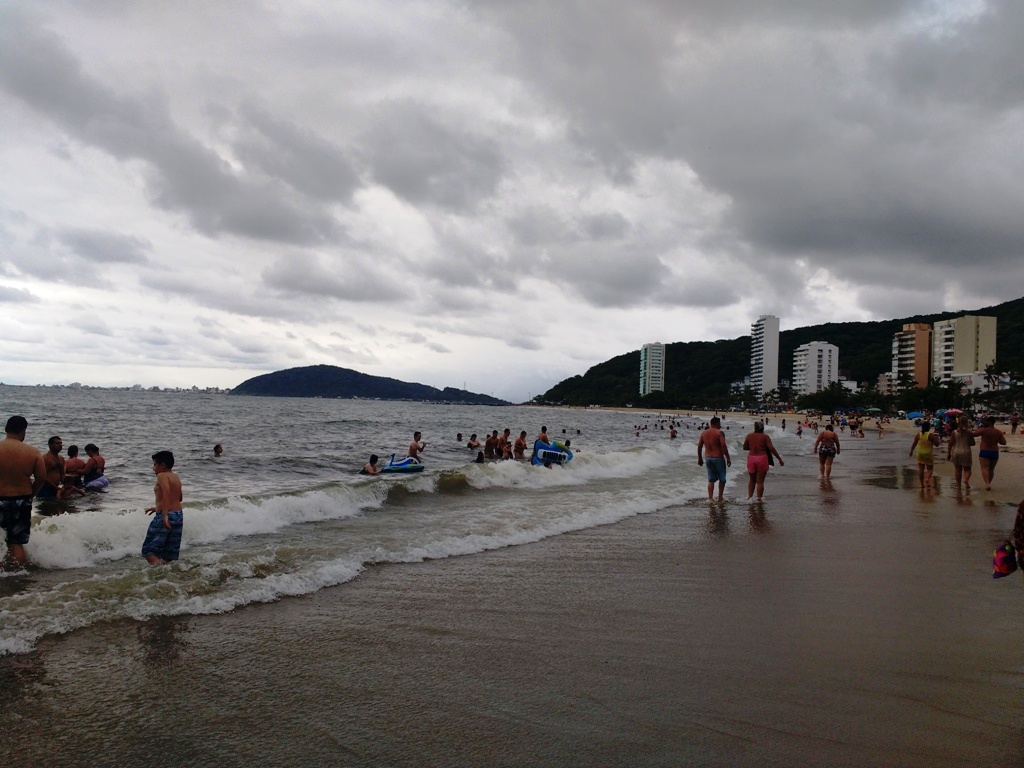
[[163, 538]]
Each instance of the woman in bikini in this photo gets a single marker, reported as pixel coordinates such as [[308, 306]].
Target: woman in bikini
[[959, 451], [827, 448], [759, 446]]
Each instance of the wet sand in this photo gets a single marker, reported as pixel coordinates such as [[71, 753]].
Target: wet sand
[[854, 624]]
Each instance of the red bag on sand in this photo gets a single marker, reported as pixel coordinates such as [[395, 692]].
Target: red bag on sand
[[1004, 560]]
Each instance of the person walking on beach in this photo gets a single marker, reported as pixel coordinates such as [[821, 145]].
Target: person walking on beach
[[416, 446], [163, 538], [827, 447], [22, 474], [759, 448], [959, 451], [712, 441], [989, 440], [922, 449], [54, 464]]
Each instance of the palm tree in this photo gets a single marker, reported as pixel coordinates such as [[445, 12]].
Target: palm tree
[[991, 376]]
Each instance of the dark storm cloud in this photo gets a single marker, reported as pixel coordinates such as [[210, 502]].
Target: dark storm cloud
[[980, 66], [425, 161], [835, 136], [10, 295], [185, 176], [299, 157], [311, 276], [96, 246]]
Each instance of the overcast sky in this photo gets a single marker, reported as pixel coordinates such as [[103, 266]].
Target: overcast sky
[[491, 194]]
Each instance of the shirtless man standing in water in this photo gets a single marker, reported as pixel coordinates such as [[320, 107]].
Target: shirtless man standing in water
[[416, 446], [22, 474], [712, 446]]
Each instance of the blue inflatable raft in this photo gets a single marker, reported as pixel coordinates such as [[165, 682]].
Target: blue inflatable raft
[[550, 453], [402, 466]]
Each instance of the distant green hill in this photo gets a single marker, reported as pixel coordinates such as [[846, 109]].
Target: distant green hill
[[331, 381], [701, 372]]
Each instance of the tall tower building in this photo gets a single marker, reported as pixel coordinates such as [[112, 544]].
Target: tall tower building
[[962, 346], [911, 354], [815, 366], [764, 354], [652, 368]]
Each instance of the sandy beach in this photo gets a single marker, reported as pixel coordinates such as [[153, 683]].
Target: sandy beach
[[848, 624]]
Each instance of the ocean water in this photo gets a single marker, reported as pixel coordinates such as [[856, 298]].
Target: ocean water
[[284, 513]]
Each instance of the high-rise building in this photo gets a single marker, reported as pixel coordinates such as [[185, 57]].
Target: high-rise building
[[911, 355], [963, 345], [764, 354], [815, 366], [652, 368]]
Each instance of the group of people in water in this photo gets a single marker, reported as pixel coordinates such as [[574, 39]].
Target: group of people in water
[[26, 474], [69, 477], [496, 447]]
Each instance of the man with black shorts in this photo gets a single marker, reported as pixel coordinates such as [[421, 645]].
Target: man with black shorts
[[22, 473]]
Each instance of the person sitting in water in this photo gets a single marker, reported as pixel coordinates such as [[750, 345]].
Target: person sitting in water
[[69, 488], [95, 466], [218, 450], [480, 457], [519, 448], [74, 467], [473, 443], [371, 467]]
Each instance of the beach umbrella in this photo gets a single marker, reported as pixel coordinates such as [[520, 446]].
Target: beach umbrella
[[915, 415], [953, 411], [874, 410]]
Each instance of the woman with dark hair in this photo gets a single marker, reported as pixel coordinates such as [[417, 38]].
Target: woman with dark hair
[[827, 448], [759, 447]]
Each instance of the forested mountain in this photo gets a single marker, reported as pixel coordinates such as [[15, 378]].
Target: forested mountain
[[700, 372], [331, 381]]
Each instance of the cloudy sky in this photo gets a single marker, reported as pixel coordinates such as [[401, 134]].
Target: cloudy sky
[[490, 193]]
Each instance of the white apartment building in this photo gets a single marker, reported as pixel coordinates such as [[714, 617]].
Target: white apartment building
[[652, 368], [764, 354], [963, 346], [815, 366]]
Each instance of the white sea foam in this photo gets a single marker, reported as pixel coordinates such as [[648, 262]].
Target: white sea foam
[[261, 548], [89, 538]]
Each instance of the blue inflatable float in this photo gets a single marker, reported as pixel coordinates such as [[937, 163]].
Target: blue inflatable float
[[402, 466], [550, 453]]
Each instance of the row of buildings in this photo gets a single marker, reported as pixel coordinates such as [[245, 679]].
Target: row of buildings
[[961, 349]]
